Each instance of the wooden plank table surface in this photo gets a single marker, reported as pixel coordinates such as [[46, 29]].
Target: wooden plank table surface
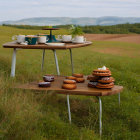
[[44, 46], [82, 88]]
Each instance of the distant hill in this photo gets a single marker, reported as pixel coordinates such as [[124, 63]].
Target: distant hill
[[41, 21]]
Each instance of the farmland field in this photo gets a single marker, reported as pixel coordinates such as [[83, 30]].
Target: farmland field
[[130, 38], [28, 115]]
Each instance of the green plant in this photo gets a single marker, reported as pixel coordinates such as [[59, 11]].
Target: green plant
[[76, 30]]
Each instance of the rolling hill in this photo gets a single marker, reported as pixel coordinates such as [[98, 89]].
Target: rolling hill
[[78, 21]]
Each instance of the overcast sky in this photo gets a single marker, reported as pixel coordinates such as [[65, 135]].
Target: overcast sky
[[19, 9]]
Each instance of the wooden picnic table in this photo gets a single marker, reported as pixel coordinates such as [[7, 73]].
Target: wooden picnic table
[[82, 89]]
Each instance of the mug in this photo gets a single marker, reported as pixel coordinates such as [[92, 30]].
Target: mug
[[59, 37], [41, 39], [79, 39], [66, 38], [19, 38], [32, 40]]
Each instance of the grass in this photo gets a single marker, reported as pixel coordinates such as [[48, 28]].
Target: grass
[[27, 115]]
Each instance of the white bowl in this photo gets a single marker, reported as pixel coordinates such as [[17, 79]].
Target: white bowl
[[55, 44], [77, 42]]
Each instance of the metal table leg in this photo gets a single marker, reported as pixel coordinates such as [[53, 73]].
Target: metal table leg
[[58, 73], [68, 102], [100, 116], [119, 98], [56, 62], [100, 113], [71, 60], [42, 65], [68, 95], [13, 67]]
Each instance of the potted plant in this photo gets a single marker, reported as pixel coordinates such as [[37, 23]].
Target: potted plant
[[76, 31], [77, 34]]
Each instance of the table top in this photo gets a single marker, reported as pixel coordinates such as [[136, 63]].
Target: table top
[[82, 88], [44, 46], [50, 29]]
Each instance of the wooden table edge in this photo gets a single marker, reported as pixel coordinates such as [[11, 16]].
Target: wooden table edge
[[71, 92], [43, 46]]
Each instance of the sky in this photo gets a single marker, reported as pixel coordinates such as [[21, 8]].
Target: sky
[[19, 9]]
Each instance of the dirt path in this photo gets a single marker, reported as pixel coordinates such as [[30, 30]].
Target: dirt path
[[131, 38]]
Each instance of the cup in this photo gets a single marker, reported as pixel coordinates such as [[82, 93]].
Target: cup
[[19, 38], [31, 39], [66, 38], [79, 39], [59, 37], [41, 39]]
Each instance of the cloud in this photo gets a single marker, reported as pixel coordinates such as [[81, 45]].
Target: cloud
[[18, 9]]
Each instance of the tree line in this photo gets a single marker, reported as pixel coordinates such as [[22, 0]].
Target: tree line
[[97, 29]]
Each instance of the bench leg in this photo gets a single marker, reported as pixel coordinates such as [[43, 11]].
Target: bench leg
[[119, 98], [56, 62], [100, 116], [13, 67], [69, 108], [43, 56], [71, 61]]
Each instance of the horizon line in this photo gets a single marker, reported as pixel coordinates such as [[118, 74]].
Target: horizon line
[[71, 17]]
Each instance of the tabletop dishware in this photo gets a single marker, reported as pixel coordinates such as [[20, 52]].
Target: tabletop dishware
[[31, 39], [41, 39], [79, 39], [19, 38], [55, 44], [64, 38]]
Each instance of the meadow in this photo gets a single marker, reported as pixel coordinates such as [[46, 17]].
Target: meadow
[[28, 115]]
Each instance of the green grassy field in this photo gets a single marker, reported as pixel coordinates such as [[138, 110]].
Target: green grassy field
[[27, 115]]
